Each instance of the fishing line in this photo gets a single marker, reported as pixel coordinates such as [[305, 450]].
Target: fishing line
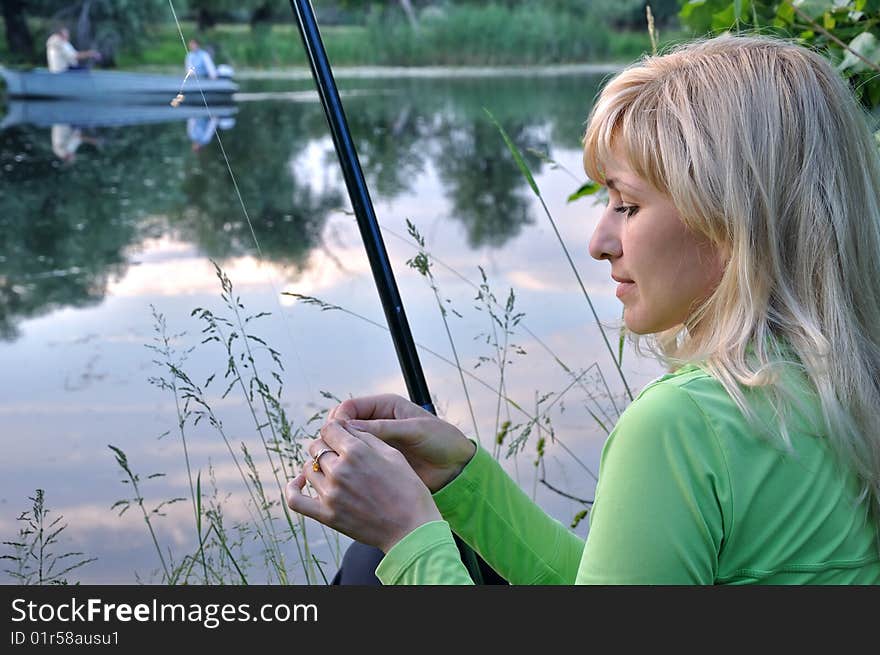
[[175, 102], [276, 293]]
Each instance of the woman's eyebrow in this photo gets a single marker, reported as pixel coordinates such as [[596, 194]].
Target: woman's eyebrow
[[611, 183]]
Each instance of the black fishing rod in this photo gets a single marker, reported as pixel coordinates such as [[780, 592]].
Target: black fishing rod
[[380, 265]]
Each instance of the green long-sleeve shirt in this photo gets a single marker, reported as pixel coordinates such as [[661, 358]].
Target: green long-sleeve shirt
[[688, 493]]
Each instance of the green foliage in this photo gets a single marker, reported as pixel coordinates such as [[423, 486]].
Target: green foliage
[[104, 25], [588, 188], [489, 35], [580, 516], [262, 34], [846, 30]]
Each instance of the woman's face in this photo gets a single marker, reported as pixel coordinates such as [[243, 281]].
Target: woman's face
[[664, 270]]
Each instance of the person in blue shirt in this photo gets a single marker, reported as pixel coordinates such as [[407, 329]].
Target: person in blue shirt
[[200, 61]]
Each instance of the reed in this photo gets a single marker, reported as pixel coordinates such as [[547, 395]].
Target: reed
[[33, 553]]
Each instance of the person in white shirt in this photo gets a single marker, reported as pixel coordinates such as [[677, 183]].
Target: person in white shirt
[[61, 55]]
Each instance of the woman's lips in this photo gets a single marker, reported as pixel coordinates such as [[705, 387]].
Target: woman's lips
[[623, 288]]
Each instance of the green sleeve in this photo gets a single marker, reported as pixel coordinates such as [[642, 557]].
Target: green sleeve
[[495, 517], [662, 497], [427, 555]]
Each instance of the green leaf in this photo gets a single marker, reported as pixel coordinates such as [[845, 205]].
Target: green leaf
[[697, 14], [812, 8], [865, 44], [828, 21], [785, 14], [587, 189], [724, 19]]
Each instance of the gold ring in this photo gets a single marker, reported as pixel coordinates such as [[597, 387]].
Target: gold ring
[[316, 464]]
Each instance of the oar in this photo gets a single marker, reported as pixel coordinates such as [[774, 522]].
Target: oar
[[383, 275]]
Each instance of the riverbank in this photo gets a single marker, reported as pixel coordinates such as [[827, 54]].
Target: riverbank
[[417, 72], [484, 43]]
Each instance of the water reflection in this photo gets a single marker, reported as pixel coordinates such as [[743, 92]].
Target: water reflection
[[132, 224], [66, 140], [82, 219]]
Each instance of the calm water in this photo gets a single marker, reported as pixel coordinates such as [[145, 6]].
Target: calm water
[[135, 221]]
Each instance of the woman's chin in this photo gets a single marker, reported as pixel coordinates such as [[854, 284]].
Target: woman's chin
[[632, 323]]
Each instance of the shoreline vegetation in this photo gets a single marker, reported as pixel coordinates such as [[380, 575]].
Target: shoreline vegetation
[[386, 46], [418, 72], [279, 46]]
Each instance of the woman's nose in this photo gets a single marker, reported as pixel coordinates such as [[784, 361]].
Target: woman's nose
[[605, 242]]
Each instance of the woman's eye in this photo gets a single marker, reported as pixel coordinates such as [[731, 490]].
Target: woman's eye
[[629, 210]]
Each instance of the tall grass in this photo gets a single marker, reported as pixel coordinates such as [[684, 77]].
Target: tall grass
[[527, 174], [490, 35], [463, 36], [505, 322], [422, 263], [33, 553], [253, 371]]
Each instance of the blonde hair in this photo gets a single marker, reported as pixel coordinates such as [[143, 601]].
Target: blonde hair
[[764, 151]]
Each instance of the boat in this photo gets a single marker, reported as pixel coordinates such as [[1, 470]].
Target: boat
[[121, 86], [41, 112]]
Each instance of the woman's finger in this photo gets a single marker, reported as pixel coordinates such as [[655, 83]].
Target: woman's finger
[[322, 454], [312, 446], [372, 441], [316, 478], [340, 430], [338, 438], [386, 405], [299, 502], [394, 430]]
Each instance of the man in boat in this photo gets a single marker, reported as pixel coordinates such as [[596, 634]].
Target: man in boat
[[62, 56], [200, 61]]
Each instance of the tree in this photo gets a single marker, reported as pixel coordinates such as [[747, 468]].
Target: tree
[[18, 36], [407, 7], [100, 24]]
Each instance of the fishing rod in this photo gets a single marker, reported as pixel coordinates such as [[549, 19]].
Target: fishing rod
[[392, 304]]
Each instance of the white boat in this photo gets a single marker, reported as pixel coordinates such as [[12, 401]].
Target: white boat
[[121, 86]]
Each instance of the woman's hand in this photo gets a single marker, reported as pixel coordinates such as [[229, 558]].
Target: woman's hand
[[436, 450], [364, 488]]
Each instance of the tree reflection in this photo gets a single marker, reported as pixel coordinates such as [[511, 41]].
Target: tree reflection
[[391, 128], [286, 214], [484, 183], [62, 232], [65, 229]]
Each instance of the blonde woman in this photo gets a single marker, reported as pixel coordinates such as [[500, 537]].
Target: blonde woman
[[743, 229]]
